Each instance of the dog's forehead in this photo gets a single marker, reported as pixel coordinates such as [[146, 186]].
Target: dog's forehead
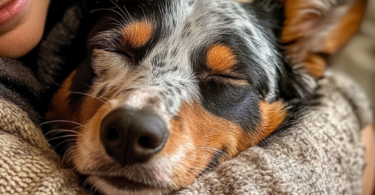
[[183, 31], [175, 37], [211, 18], [192, 25]]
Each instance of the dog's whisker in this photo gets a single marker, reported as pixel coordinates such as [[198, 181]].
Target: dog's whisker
[[59, 131], [68, 140], [117, 22], [122, 11], [69, 155], [59, 137], [215, 150], [126, 12], [92, 188], [180, 166], [122, 16], [202, 158], [88, 95], [59, 121], [101, 9], [195, 171]]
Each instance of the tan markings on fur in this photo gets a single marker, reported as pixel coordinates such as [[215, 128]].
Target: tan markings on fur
[[89, 108], [297, 27], [315, 65], [296, 30], [206, 130], [137, 34], [272, 116], [59, 108], [306, 44], [90, 151], [347, 27], [221, 58], [202, 129]]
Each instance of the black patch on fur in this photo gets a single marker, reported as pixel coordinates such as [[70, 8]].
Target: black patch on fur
[[132, 11], [240, 104], [101, 92], [213, 163], [81, 83]]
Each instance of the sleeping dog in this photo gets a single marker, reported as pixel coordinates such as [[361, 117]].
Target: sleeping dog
[[171, 88]]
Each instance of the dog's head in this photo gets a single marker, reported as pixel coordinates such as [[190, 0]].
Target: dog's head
[[171, 88]]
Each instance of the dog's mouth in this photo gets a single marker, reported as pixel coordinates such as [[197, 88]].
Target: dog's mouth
[[126, 184], [121, 184]]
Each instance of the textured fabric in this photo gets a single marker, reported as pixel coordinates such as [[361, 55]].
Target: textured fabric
[[322, 155], [19, 85], [28, 165]]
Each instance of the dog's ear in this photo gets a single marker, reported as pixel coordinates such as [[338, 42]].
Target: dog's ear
[[316, 29]]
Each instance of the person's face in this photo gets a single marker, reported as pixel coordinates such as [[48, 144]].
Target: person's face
[[21, 26]]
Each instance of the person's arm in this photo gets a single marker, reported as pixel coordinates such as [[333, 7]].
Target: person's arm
[[368, 138]]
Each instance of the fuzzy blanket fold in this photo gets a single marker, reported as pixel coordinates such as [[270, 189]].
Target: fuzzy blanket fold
[[28, 165], [321, 155]]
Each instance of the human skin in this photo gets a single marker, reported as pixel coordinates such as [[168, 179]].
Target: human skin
[[21, 35], [368, 137]]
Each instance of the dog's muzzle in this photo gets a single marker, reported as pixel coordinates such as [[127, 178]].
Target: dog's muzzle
[[132, 136]]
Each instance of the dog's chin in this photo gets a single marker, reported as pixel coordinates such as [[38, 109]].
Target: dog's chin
[[124, 186]]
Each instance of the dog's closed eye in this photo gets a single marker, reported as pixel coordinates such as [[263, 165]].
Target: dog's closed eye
[[124, 54], [230, 79]]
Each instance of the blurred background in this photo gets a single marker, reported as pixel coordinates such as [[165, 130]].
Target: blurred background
[[358, 58]]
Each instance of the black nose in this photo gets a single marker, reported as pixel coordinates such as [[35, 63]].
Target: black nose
[[132, 136]]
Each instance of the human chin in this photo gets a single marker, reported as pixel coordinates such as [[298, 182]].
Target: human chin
[[28, 16]]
